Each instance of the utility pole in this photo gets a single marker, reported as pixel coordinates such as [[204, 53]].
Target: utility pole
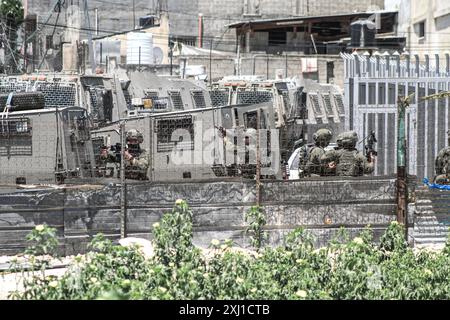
[[402, 187], [258, 160], [134, 16], [123, 187], [210, 63]]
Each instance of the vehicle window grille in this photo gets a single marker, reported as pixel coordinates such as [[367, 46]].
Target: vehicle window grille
[[177, 101], [199, 99], [254, 97], [165, 129], [219, 97]]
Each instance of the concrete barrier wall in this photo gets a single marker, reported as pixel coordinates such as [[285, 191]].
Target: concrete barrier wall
[[323, 206], [431, 217]]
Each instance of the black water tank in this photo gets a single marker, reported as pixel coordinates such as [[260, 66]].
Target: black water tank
[[363, 34]]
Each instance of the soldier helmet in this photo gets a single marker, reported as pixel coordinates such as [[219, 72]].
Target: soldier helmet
[[349, 139], [134, 137], [322, 136]]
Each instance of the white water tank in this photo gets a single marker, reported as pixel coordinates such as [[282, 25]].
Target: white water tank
[[144, 41]]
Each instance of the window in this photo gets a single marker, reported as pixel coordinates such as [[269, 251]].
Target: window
[[219, 97], [277, 38], [315, 103], [252, 7], [372, 93], [340, 103], [421, 29], [15, 137], [254, 97], [49, 42], [199, 99], [177, 101], [327, 101], [165, 129]]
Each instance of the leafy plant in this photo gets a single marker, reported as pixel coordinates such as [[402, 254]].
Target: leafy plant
[[256, 220], [354, 268]]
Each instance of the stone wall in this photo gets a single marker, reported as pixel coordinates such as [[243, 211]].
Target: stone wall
[[431, 217], [321, 205]]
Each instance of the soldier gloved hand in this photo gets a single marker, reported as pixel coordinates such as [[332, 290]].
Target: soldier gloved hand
[[128, 156]]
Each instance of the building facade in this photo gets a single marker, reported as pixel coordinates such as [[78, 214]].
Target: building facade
[[193, 22], [427, 27]]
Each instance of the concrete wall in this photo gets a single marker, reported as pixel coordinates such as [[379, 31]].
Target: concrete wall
[[321, 205], [268, 65]]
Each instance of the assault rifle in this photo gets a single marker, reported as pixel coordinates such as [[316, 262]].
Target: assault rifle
[[370, 151]]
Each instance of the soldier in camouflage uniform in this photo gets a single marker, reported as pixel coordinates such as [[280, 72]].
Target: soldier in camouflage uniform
[[310, 155], [136, 159], [329, 158], [348, 161], [442, 164]]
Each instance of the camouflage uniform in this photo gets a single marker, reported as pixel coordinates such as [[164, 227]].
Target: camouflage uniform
[[136, 168], [442, 165], [310, 155], [106, 163], [348, 161], [332, 156]]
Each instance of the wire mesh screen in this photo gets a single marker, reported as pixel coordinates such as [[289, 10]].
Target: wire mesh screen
[[254, 97], [219, 97]]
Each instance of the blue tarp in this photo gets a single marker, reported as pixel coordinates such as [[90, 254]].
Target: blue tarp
[[436, 186]]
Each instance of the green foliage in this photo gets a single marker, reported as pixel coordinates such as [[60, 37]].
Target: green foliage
[[43, 240], [12, 10], [256, 220], [394, 238], [349, 268], [173, 235]]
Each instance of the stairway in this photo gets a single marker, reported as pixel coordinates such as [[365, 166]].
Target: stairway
[[432, 217]]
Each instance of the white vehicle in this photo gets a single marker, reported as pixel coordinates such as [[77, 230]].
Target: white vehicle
[[292, 166]]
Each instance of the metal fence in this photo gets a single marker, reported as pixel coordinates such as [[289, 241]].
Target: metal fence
[[372, 87]]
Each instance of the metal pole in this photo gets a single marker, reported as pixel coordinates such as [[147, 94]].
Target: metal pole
[[286, 64], [267, 67], [139, 68], [101, 53], [210, 64], [134, 16], [123, 187], [258, 160], [402, 188], [171, 61]]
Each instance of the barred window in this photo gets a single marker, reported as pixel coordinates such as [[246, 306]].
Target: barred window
[[15, 127], [15, 137], [327, 102], [177, 101], [199, 99], [315, 104], [339, 103], [165, 129]]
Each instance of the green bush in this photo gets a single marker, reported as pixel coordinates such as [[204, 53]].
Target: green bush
[[347, 269]]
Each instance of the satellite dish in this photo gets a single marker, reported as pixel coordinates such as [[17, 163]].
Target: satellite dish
[[158, 55]]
